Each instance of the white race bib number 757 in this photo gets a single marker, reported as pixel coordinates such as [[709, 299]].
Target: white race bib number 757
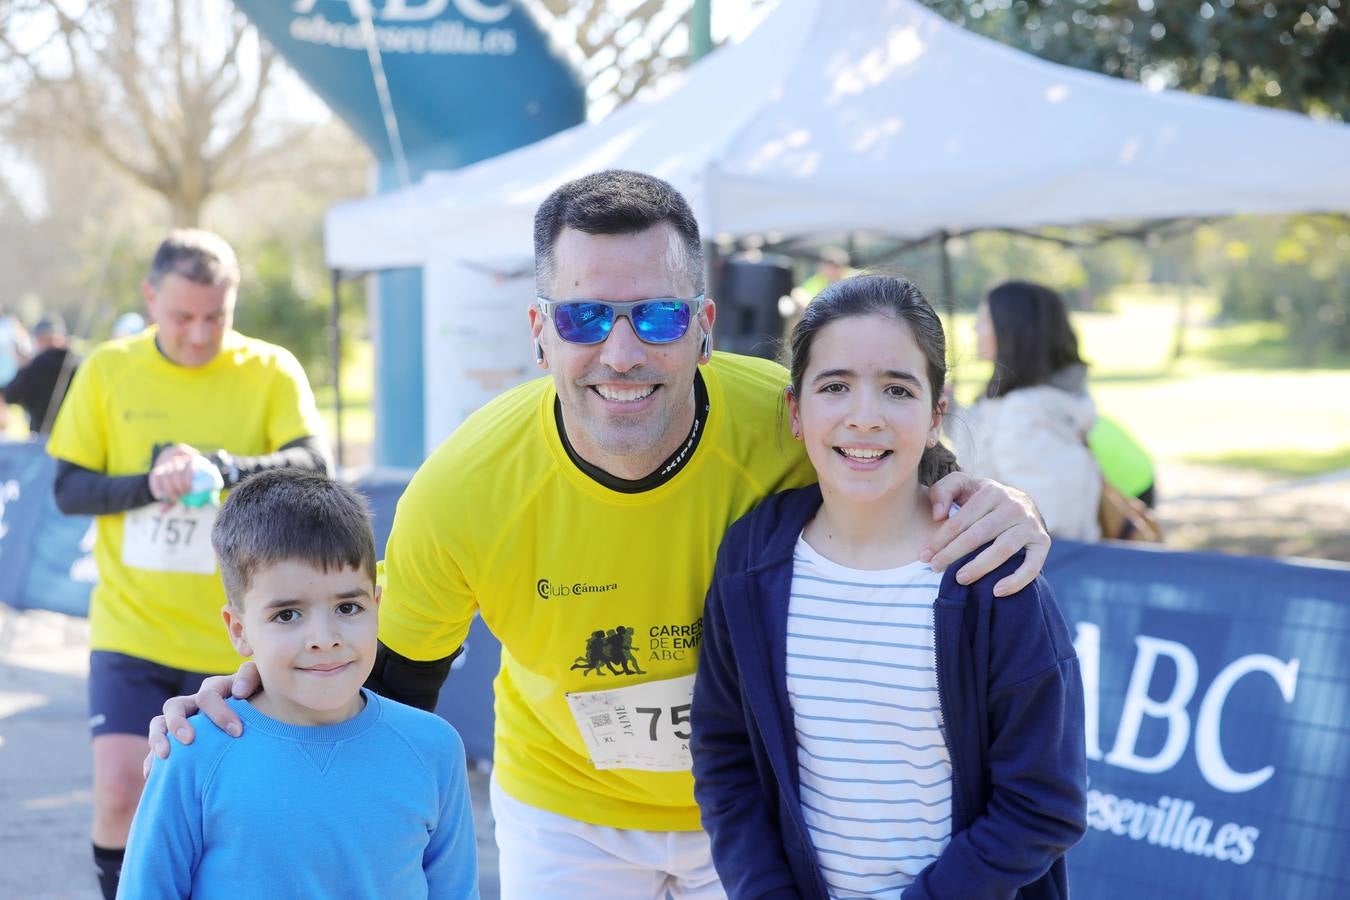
[[645, 726], [176, 539]]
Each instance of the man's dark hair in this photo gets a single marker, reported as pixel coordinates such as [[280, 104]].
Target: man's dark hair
[[616, 202], [290, 514], [1033, 334], [201, 257]]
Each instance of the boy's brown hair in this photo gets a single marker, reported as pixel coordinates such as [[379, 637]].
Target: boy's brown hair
[[290, 514]]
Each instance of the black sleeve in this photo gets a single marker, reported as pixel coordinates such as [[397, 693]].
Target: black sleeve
[[17, 390], [309, 453], [84, 492], [81, 491], [409, 681]]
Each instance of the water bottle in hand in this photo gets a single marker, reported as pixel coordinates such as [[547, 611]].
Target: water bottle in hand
[[206, 485]]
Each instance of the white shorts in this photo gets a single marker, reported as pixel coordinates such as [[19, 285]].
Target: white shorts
[[542, 854]]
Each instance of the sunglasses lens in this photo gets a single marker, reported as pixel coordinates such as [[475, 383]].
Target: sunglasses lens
[[583, 323], [661, 322]]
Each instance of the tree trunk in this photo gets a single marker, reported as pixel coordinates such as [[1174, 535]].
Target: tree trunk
[[1184, 298], [185, 212]]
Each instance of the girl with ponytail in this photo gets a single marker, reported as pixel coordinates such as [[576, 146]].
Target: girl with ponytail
[[862, 725]]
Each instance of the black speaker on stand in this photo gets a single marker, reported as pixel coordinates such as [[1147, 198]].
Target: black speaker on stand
[[749, 288]]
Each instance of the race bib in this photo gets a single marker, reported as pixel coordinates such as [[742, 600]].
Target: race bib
[[645, 726], [176, 539]]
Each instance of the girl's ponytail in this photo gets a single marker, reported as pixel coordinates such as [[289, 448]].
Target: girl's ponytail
[[936, 463]]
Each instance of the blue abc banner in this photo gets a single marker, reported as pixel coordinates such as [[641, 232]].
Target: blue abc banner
[[1218, 697], [46, 559]]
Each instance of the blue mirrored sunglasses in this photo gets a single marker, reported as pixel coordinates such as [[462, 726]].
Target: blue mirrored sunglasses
[[660, 320]]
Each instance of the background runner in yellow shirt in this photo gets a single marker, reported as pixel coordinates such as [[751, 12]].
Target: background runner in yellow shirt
[[142, 413], [580, 516]]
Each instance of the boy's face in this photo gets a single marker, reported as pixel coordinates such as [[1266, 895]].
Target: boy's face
[[312, 634]]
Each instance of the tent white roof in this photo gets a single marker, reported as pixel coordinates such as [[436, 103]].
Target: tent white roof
[[878, 115]]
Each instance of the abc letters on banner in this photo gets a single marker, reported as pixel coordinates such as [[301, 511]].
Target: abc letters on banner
[[1216, 698]]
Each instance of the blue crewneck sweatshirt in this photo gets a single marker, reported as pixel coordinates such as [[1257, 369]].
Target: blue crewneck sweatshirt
[[376, 806]]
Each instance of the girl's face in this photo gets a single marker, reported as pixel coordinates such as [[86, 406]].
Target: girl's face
[[986, 345], [865, 410]]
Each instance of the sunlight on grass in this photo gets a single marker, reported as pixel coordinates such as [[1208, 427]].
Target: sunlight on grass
[[1226, 413], [1292, 463]]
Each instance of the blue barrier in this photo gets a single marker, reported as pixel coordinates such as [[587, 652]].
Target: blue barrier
[[1218, 694], [1218, 702], [46, 558]]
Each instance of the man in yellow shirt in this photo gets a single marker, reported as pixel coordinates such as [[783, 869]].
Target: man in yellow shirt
[[580, 516], [189, 396]]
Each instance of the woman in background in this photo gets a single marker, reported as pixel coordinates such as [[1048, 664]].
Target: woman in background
[[1030, 428]]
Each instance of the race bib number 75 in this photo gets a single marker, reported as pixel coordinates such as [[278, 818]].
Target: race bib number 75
[[645, 726], [173, 539]]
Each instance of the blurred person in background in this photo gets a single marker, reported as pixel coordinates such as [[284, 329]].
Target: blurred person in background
[[1030, 427], [14, 352], [155, 426], [40, 386], [15, 346], [832, 266], [127, 324], [1124, 462]]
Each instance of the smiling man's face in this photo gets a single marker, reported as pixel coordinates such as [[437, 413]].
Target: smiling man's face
[[626, 405]]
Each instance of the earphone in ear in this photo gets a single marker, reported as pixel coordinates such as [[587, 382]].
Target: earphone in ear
[[706, 349], [538, 352]]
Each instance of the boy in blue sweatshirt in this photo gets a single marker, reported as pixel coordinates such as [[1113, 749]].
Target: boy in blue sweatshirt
[[333, 791]]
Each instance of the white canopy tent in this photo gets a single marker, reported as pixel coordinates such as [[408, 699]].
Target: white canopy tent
[[873, 116]]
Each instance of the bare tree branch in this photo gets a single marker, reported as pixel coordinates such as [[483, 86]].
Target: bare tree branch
[[599, 26], [144, 97], [646, 72], [271, 162], [225, 79], [243, 135], [122, 59], [178, 48]]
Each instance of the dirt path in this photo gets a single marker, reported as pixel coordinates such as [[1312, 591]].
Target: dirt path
[[1249, 512]]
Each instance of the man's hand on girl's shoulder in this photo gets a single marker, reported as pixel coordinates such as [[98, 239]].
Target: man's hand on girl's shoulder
[[990, 513]]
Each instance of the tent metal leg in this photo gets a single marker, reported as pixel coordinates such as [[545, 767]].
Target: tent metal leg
[[948, 301], [335, 362]]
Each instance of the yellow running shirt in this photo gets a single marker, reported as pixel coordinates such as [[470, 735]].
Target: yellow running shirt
[[126, 399], [588, 589]]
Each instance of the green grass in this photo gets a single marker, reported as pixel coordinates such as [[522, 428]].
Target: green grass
[[1238, 396], [1291, 463]]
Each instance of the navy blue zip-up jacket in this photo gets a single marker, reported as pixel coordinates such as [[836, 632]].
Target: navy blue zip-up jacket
[[1012, 704]]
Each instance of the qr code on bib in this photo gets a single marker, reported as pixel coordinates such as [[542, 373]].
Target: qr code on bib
[[601, 720]]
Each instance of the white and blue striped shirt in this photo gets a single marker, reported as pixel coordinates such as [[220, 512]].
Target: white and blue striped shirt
[[876, 776]]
